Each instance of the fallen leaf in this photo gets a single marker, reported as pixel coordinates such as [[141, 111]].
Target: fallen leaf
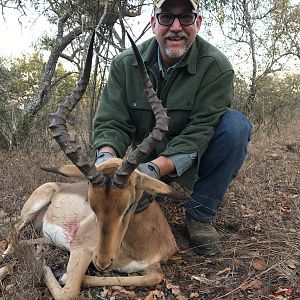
[[120, 291], [9, 286], [285, 291], [194, 295], [14, 218], [285, 208], [2, 213], [174, 288], [3, 245], [297, 253], [290, 264], [181, 297], [155, 295], [104, 292], [258, 264], [223, 271], [254, 284], [203, 279], [257, 227]]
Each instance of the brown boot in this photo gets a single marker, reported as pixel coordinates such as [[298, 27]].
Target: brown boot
[[204, 237]]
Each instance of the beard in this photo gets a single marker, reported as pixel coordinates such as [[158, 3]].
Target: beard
[[176, 53]]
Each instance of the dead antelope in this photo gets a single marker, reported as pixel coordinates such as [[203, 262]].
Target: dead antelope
[[95, 220]]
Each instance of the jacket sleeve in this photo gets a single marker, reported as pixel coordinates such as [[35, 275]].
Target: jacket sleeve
[[112, 124], [213, 99]]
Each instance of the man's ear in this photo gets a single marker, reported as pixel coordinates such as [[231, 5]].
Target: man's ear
[[199, 22], [153, 24]]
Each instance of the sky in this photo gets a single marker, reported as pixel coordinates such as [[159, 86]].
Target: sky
[[18, 39]]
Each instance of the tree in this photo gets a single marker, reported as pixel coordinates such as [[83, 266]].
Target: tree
[[19, 80], [264, 35], [75, 20], [6, 115], [276, 103]]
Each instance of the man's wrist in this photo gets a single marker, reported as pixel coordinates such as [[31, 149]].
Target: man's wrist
[[165, 165]]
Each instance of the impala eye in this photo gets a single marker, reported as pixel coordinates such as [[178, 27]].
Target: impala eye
[[129, 208]]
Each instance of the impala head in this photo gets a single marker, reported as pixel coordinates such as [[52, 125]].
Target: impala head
[[113, 209], [115, 186]]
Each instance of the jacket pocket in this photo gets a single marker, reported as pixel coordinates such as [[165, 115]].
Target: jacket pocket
[[179, 118], [143, 119]]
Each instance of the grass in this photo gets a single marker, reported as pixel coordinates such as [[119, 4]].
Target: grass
[[259, 223]]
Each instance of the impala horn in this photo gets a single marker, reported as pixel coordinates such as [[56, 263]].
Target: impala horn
[[59, 128], [143, 150]]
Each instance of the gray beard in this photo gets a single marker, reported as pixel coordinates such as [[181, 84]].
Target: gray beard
[[176, 54]]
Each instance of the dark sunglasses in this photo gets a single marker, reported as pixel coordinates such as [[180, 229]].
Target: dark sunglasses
[[185, 19]]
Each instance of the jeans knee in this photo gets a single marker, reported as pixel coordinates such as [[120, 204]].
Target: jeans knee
[[236, 127]]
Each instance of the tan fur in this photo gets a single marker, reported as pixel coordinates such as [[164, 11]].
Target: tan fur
[[99, 225]]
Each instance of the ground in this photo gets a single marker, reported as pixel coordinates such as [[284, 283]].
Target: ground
[[259, 223]]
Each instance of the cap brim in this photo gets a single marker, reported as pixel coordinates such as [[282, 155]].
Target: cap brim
[[159, 3]]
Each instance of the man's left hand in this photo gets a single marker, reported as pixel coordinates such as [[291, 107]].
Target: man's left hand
[[150, 169]]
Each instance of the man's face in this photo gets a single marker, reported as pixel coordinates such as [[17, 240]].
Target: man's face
[[176, 39]]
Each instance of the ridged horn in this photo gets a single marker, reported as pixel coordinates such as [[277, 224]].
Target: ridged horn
[[59, 128], [143, 150]]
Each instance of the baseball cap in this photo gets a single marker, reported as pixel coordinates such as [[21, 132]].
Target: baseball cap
[[159, 3]]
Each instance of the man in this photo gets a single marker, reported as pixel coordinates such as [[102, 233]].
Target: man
[[206, 143]]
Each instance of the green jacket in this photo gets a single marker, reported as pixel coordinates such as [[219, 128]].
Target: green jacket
[[196, 96]]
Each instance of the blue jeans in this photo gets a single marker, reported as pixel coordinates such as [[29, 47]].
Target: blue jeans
[[221, 161]]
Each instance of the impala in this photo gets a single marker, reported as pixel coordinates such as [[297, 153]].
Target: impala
[[95, 219]]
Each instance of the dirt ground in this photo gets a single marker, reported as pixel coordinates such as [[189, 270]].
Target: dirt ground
[[259, 223]]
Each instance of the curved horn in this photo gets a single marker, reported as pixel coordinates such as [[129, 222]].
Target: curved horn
[[59, 128], [143, 150]]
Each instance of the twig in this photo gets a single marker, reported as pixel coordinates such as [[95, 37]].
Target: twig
[[248, 280]]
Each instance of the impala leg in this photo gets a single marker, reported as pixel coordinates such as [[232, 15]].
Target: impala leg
[[33, 208], [151, 276], [51, 282], [77, 266]]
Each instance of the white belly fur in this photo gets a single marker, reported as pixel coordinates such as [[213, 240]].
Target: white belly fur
[[133, 266], [56, 235]]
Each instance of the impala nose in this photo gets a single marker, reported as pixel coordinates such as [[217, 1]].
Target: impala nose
[[102, 265]]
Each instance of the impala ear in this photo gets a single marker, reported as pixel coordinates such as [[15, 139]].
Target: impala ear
[[157, 187], [65, 170]]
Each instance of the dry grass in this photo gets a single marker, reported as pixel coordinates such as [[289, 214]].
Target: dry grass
[[259, 223]]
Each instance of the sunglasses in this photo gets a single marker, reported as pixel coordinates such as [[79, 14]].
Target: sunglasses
[[167, 19]]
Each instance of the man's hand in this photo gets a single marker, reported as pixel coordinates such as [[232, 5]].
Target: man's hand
[[150, 169], [103, 156]]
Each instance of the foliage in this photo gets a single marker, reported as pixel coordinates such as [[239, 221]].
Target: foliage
[[263, 38], [276, 103], [20, 78], [261, 35], [6, 113]]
